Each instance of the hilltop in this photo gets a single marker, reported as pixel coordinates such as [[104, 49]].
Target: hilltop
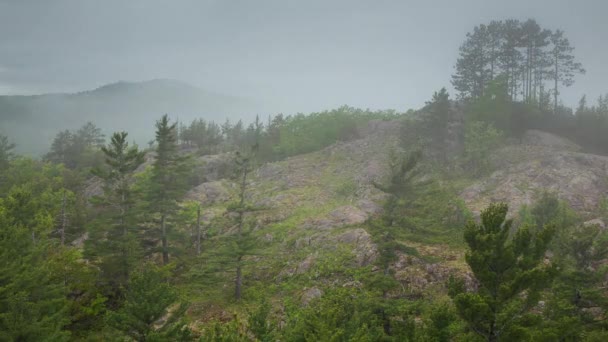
[[314, 226], [32, 121]]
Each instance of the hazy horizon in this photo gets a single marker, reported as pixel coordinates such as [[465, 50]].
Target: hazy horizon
[[298, 57]]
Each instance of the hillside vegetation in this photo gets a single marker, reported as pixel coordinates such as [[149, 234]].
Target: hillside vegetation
[[477, 219]]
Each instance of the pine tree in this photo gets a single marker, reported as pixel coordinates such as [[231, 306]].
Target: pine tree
[[564, 66], [243, 243], [89, 135], [533, 40], [113, 239], [435, 123], [168, 182], [33, 305], [472, 71], [63, 149], [6, 152], [510, 272], [147, 300], [510, 58]]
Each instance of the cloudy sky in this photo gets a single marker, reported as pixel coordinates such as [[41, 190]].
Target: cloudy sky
[[302, 55]]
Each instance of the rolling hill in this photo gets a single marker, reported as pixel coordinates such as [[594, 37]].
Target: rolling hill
[[32, 121]]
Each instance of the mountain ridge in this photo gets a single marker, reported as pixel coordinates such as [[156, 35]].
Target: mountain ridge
[[32, 121]]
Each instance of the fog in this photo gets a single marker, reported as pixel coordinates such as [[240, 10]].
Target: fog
[[294, 56]]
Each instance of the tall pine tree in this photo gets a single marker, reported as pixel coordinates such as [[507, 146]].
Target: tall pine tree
[[168, 182], [114, 243], [564, 65]]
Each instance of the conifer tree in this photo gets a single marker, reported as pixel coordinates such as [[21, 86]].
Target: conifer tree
[[6, 152], [33, 305], [243, 168], [435, 123], [114, 241], [168, 183], [510, 57], [564, 65], [472, 71], [147, 300], [510, 272]]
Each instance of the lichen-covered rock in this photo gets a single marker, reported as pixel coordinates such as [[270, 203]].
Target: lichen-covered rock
[[93, 187], [214, 167], [579, 179], [595, 222], [371, 207], [340, 217], [535, 137], [365, 249], [305, 265], [309, 294], [209, 193]]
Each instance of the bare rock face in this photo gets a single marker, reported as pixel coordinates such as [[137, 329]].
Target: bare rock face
[[370, 207], [93, 187], [209, 193], [539, 138], [365, 249], [348, 215], [417, 276], [309, 294], [578, 178], [214, 167], [306, 264], [595, 222], [342, 216]]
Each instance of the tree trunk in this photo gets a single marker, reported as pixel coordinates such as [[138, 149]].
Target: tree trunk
[[165, 249], [124, 251], [555, 91], [198, 230], [63, 219], [238, 282]]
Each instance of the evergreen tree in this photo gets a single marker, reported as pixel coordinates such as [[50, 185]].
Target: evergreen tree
[[564, 65], [472, 71], [77, 149], [63, 149], [113, 239], [6, 152], [435, 123], [510, 57], [243, 242], [89, 135], [578, 289], [167, 182], [33, 305], [147, 299], [510, 273], [403, 171]]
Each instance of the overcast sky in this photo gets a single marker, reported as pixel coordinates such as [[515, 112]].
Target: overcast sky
[[305, 55]]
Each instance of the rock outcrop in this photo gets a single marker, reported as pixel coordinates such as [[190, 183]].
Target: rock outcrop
[[544, 162]]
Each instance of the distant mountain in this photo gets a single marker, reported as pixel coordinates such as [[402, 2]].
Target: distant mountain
[[32, 121]]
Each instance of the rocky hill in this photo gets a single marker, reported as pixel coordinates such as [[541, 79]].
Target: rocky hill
[[542, 162], [315, 208]]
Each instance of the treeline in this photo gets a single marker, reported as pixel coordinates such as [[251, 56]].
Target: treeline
[[524, 54], [278, 137], [281, 136], [508, 76]]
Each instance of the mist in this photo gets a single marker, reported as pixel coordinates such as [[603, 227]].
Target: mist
[[303, 170], [292, 56]]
